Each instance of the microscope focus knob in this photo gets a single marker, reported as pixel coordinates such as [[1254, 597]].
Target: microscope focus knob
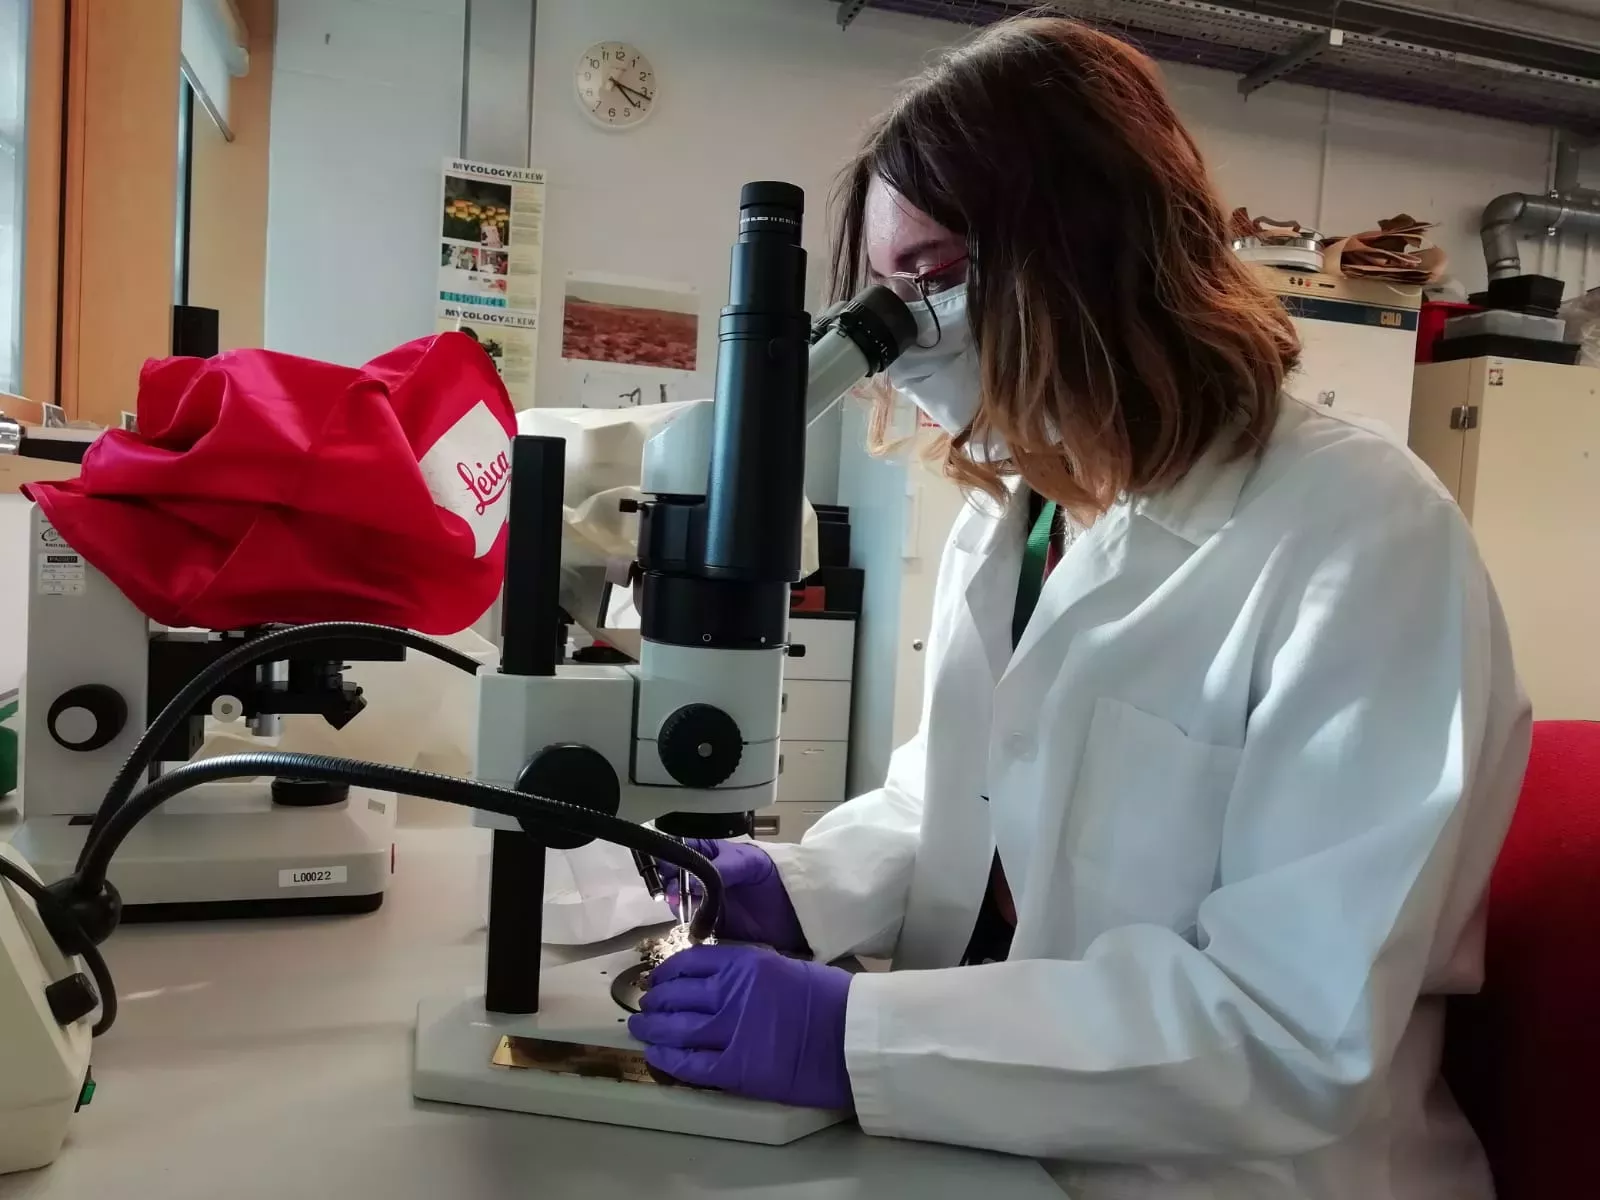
[[572, 774], [700, 745], [87, 717]]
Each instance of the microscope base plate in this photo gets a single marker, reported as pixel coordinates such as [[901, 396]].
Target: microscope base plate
[[224, 850], [456, 1041]]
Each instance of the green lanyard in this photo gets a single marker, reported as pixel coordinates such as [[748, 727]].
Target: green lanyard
[[1031, 579]]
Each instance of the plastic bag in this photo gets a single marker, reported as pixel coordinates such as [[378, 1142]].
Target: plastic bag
[[1582, 315], [263, 488]]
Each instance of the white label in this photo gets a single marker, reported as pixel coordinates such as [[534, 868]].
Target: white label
[[468, 472], [313, 876], [60, 570]]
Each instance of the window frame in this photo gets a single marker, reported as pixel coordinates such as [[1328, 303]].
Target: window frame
[[43, 138]]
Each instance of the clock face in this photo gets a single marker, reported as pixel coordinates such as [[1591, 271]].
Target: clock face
[[616, 85]]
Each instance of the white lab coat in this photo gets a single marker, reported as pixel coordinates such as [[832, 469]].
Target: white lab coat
[[1247, 773]]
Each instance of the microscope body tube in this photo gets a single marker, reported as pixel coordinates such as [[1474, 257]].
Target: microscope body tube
[[716, 560], [756, 489]]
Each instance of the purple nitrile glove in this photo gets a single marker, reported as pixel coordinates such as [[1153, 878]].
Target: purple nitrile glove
[[748, 1021], [756, 907]]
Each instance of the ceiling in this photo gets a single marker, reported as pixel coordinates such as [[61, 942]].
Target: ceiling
[[1537, 64]]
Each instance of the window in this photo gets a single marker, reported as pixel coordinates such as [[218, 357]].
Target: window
[[13, 163], [180, 238]]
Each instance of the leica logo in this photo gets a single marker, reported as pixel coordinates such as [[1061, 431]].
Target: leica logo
[[468, 472], [486, 483]]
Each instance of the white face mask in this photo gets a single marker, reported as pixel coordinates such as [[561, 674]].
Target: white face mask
[[940, 373], [942, 378]]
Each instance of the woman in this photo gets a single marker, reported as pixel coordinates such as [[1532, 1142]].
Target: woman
[[1188, 848]]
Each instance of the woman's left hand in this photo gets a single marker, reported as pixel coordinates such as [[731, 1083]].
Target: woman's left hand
[[749, 1021]]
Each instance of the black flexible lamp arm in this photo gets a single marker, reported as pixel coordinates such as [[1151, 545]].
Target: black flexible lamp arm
[[265, 648], [88, 887]]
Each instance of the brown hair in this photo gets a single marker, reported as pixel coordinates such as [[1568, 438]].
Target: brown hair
[[1118, 336]]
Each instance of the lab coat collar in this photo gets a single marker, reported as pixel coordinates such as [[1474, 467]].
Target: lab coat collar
[[1194, 508], [983, 519], [1204, 500]]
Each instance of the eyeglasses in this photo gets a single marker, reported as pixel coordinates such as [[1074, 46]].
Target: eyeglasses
[[918, 287]]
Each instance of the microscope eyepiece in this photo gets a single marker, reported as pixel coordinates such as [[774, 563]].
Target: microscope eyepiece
[[771, 210], [879, 322]]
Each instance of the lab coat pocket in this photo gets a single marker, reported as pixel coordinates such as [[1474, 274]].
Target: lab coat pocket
[[1144, 832]]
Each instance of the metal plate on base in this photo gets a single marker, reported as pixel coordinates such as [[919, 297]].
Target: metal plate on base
[[628, 987], [456, 1041]]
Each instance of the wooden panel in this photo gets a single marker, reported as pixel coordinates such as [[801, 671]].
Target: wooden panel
[[228, 194], [16, 471], [122, 165], [1536, 498], [1436, 389], [41, 255]]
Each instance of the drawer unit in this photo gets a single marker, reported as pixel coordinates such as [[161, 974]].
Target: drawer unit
[[815, 710], [812, 772], [830, 649], [789, 822], [810, 786], [814, 726]]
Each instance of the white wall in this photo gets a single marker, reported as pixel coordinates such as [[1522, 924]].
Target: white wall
[[749, 89], [366, 101], [366, 104]]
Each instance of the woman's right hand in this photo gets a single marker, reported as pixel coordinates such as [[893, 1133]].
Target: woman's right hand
[[756, 906]]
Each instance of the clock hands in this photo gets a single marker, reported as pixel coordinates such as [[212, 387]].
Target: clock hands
[[634, 97]]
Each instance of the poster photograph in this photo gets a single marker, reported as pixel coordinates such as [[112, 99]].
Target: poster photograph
[[612, 319], [509, 338], [491, 235]]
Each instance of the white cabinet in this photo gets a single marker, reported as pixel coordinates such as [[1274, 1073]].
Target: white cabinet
[[1518, 445], [1358, 339], [814, 726]]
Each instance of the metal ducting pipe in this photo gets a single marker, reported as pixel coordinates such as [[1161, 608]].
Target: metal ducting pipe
[[1504, 216]]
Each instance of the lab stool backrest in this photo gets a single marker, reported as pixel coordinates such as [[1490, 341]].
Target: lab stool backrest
[[1523, 1056]]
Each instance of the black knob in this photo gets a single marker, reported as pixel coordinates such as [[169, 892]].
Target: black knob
[[289, 792], [71, 999], [700, 746], [87, 717], [573, 774]]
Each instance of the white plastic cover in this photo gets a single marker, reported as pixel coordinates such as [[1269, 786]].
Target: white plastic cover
[[604, 466]]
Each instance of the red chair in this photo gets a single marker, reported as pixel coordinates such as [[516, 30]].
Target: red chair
[[1523, 1056]]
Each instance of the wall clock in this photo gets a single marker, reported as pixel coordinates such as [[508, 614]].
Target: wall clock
[[615, 85]]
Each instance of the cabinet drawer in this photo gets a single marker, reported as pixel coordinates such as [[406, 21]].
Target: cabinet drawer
[[788, 822], [812, 772], [830, 649], [815, 710]]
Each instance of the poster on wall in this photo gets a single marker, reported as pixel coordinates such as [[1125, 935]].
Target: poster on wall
[[510, 338], [491, 253], [634, 322], [491, 235]]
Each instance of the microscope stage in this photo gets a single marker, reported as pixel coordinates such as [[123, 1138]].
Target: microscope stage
[[225, 850], [457, 1043]]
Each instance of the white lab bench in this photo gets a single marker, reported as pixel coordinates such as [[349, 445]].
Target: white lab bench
[[272, 1059]]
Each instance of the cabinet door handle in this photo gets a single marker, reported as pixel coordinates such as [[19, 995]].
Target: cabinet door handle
[[783, 703], [767, 826]]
